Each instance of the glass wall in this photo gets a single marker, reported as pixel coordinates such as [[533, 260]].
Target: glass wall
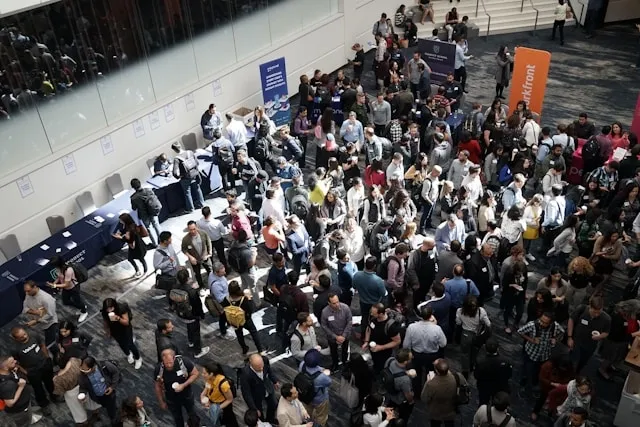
[[72, 68]]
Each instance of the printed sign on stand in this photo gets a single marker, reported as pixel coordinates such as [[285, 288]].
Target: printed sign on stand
[[273, 76], [107, 144], [440, 57]]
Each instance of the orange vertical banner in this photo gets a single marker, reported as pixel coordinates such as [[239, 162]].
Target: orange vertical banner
[[529, 78]]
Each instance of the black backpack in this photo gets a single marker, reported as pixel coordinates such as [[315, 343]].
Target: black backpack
[[262, 148], [490, 423], [300, 206], [229, 375], [383, 270], [463, 394], [188, 166], [225, 157], [79, 270], [357, 419], [499, 197], [591, 151], [182, 303], [153, 203], [304, 384], [236, 260], [287, 306], [389, 378], [323, 93]]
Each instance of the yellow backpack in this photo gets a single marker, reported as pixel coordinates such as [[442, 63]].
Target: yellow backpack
[[235, 314]]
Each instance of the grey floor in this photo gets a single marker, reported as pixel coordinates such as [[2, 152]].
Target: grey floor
[[586, 75]]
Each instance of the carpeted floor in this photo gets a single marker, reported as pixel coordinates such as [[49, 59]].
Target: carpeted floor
[[586, 75]]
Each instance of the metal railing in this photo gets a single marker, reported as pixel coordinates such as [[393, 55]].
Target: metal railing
[[478, 2], [535, 26]]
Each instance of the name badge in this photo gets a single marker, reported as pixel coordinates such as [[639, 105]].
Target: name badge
[[494, 161], [484, 269], [331, 318], [372, 325], [468, 257], [75, 339], [626, 203], [551, 162], [584, 322], [180, 373], [37, 349], [625, 324]]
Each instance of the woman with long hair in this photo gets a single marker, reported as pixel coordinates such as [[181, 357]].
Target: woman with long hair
[[486, 212], [447, 200], [619, 138], [355, 196], [65, 384], [216, 396], [67, 281], [333, 211], [353, 242], [514, 289], [116, 319], [520, 112], [373, 209], [273, 235], [418, 171], [542, 302], [337, 177], [624, 329], [606, 252], [563, 243], [557, 287], [410, 236], [133, 414], [627, 200], [593, 195], [581, 279], [503, 71], [374, 414], [128, 233], [401, 200], [493, 162], [532, 215], [470, 318], [314, 223], [374, 174], [324, 126], [588, 232], [497, 111], [513, 226], [72, 342]]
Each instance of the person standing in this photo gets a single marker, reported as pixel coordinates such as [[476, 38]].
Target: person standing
[[134, 414], [371, 289], [384, 333], [471, 318], [429, 194], [116, 319], [495, 413], [196, 245], [381, 114], [185, 169], [164, 337], [241, 303], [336, 322], [219, 290], [290, 411], [216, 230], [298, 243], [67, 281], [593, 16], [358, 61], [414, 73], [242, 258], [493, 373], [147, 205], [189, 307], [439, 393], [173, 378], [460, 71], [33, 360], [259, 385], [217, 396], [503, 72], [211, 123], [540, 337], [560, 13], [99, 382], [318, 407], [40, 308], [16, 394], [400, 395], [237, 133], [588, 324], [427, 341], [136, 248]]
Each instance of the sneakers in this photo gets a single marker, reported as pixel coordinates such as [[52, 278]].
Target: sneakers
[[228, 336], [35, 418], [130, 359], [138, 274], [530, 257], [204, 351], [83, 317], [138, 363], [190, 345]]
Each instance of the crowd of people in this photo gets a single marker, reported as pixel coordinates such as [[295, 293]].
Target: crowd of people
[[359, 230]]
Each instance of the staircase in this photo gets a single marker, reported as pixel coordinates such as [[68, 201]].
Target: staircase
[[506, 15]]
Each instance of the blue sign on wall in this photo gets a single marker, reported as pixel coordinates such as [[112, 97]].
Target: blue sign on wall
[[273, 75], [440, 56]]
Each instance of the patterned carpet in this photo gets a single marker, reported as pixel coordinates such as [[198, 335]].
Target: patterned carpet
[[592, 76]]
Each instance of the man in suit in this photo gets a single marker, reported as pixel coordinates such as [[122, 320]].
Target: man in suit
[[298, 243], [447, 260], [492, 373], [482, 268], [450, 230], [196, 245], [259, 385]]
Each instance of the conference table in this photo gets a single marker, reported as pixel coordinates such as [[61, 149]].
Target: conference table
[[89, 239]]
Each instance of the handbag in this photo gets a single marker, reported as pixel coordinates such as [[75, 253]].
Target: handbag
[[348, 392], [483, 333], [142, 230], [531, 233], [165, 282], [213, 306]]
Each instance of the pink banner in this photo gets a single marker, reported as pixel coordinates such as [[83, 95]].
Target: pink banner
[[635, 123]]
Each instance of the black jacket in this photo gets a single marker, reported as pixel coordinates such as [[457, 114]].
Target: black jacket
[[493, 373], [165, 341], [111, 375], [255, 389], [476, 269]]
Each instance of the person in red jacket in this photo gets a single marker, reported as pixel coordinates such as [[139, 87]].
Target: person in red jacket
[[554, 376], [470, 145]]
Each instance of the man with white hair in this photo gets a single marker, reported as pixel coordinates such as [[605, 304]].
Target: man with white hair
[[422, 267], [429, 193]]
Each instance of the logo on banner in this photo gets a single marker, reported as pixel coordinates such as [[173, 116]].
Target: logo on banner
[[436, 48]]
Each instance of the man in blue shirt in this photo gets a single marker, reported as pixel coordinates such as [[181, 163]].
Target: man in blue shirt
[[346, 270], [352, 130], [458, 288], [219, 290], [370, 288], [98, 382], [318, 408]]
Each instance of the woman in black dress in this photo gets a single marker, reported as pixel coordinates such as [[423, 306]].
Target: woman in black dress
[[116, 319], [71, 342], [128, 233]]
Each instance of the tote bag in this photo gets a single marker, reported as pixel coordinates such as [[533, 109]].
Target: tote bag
[[348, 392]]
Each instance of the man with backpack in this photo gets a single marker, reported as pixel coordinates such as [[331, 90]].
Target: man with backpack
[[173, 378], [246, 167], [381, 337], [297, 197], [313, 385], [336, 321], [99, 381], [185, 169], [242, 258], [186, 302], [145, 202], [224, 154], [495, 415], [397, 383], [303, 337]]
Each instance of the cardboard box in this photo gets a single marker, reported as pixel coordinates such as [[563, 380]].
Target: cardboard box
[[244, 114]]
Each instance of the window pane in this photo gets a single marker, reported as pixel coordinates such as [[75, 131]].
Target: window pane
[[315, 11], [285, 18], [167, 30], [250, 27], [23, 140], [213, 41]]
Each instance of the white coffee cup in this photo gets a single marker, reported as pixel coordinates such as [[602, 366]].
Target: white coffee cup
[[175, 386], [595, 333], [112, 316], [628, 261], [204, 400], [372, 344], [412, 373], [327, 372], [81, 396]]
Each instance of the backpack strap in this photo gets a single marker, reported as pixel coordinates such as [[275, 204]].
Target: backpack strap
[[505, 421], [489, 417]]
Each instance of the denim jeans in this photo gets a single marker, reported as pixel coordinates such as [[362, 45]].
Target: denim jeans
[[191, 187], [425, 218], [152, 223]]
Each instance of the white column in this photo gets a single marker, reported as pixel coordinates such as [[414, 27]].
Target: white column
[[348, 9]]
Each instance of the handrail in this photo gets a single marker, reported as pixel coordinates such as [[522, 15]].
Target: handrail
[[535, 26], [478, 2]]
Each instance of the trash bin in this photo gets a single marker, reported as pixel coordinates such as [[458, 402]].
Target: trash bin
[[628, 413]]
